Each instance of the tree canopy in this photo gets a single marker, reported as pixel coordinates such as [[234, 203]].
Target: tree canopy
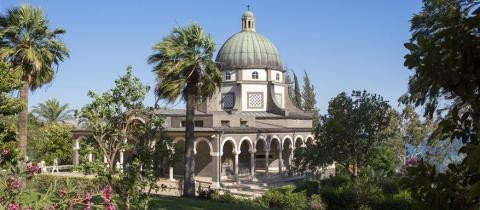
[[52, 111], [349, 133]]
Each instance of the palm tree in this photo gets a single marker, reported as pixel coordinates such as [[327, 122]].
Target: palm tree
[[184, 67], [28, 44], [52, 111]]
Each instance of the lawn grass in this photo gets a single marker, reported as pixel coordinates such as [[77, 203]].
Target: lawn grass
[[177, 203]]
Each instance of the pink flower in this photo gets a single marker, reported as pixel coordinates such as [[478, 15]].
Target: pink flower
[[13, 183], [88, 201], [14, 206], [107, 194], [34, 169]]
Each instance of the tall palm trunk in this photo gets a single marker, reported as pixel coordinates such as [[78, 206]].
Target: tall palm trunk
[[23, 121], [189, 178]]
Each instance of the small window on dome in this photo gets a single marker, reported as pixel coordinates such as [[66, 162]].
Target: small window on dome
[[277, 77], [228, 76], [254, 75]]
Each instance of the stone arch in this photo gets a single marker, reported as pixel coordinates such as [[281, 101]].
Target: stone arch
[[286, 137], [287, 152], [202, 139], [275, 147], [203, 158], [225, 140], [261, 147], [246, 138], [298, 142], [309, 140], [245, 150], [175, 140], [228, 152]]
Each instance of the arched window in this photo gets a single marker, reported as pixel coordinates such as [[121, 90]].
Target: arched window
[[228, 76], [277, 77], [254, 75]]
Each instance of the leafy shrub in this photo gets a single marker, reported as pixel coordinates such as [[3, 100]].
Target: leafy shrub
[[336, 182], [226, 197], [316, 203], [389, 187], [42, 183], [310, 187], [392, 204], [340, 199], [285, 198]]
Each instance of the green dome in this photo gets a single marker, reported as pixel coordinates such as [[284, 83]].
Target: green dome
[[249, 50]]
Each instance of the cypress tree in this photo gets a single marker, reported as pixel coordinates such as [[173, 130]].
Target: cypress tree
[[288, 80], [297, 92], [308, 94]]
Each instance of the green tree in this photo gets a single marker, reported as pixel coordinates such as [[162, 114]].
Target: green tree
[[52, 111], [308, 94], [349, 133], [309, 100], [184, 67], [9, 106], [28, 44], [443, 54], [288, 80], [297, 92], [110, 115], [55, 142]]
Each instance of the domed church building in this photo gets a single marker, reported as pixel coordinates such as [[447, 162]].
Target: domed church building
[[250, 128]]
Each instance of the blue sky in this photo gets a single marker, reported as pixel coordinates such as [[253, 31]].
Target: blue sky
[[343, 45]]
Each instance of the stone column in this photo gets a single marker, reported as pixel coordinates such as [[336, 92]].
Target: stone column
[[170, 173], [76, 147], [216, 171], [90, 157], [217, 159], [280, 159], [121, 156], [252, 164], [235, 168], [266, 161]]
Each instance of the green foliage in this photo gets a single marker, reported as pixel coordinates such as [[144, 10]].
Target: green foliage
[[384, 160], [42, 182], [9, 106], [38, 49], [52, 111], [316, 203], [297, 92], [53, 141], [184, 59], [185, 68], [111, 114], [308, 94], [433, 190], [443, 53], [285, 198], [288, 81], [33, 50], [349, 133], [90, 168]]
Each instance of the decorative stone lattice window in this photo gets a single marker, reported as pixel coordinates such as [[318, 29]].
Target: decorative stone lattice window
[[228, 76], [255, 100], [228, 100], [254, 75], [278, 98]]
